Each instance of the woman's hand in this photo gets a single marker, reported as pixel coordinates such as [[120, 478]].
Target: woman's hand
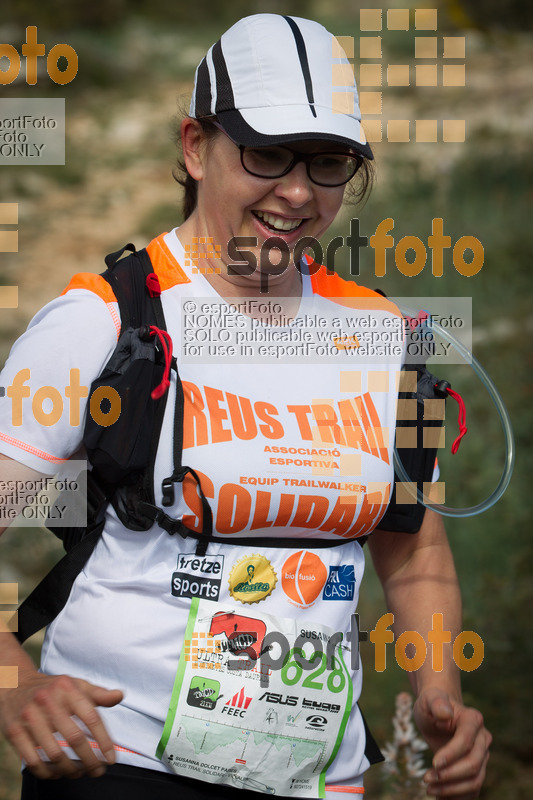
[[459, 740], [45, 704]]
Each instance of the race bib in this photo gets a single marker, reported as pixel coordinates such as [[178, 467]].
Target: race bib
[[257, 703]]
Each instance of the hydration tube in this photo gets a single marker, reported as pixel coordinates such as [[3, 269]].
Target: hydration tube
[[469, 511]]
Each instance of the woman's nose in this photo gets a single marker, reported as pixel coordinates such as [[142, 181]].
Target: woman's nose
[[296, 187]]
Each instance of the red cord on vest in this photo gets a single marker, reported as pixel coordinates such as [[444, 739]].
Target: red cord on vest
[[461, 419], [166, 344], [152, 284]]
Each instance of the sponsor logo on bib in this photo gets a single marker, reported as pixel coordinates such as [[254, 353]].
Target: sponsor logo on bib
[[203, 693], [340, 584], [252, 579], [198, 576], [303, 576]]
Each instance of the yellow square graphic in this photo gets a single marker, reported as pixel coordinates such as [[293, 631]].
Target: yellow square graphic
[[425, 47], [426, 130], [342, 102], [370, 47], [373, 130], [343, 46], [406, 493], [370, 75], [398, 75], [350, 381], [453, 130], [9, 213], [406, 409], [398, 130], [408, 380], [9, 296], [370, 19], [398, 19], [378, 381], [434, 492], [426, 74], [453, 75], [342, 75], [434, 408], [370, 102], [9, 593], [426, 19], [350, 464], [9, 241], [9, 677], [433, 437], [454, 46], [317, 465], [406, 437]]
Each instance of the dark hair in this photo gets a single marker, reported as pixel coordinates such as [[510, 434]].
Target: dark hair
[[357, 190]]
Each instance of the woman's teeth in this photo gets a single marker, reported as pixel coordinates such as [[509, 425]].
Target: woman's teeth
[[278, 223]]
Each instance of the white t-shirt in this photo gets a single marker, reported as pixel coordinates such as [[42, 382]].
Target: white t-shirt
[[283, 450]]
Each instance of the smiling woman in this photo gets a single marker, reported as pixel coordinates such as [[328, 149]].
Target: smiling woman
[[286, 428]]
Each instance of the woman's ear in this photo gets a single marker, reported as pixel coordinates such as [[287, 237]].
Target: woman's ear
[[193, 144]]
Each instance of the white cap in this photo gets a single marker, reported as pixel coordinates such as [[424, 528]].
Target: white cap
[[269, 80]]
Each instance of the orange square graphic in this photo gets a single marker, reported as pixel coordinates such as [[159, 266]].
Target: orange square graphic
[[9, 213], [406, 437], [10, 620], [454, 46], [378, 381], [9, 677], [434, 492], [350, 381], [9, 241], [433, 437], [434, 408], [370, 47], [398, 75], [406, 409], [370, 75], [350, 464], [398, 19], [9, 296], [370, 102], [377, 492], [426, 130], [426, 19], [342, 75], [426, 74], [373, 130], [381, 435], [343, 47], [425, 47], [398, 130], [370, 19], [349, 498], [406, 493], [9, 593], [453, 130], [453, 75], [342, 102], [408, 381]]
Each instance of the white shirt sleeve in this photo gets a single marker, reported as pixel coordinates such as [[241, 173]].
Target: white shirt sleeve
[[67, 343]]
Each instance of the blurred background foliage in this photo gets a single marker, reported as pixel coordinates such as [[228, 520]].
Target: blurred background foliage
[[135, 58]]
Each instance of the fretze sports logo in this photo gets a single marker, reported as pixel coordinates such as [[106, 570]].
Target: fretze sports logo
[[203, 693], [237, 705], [340, 584], [198, 576]]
